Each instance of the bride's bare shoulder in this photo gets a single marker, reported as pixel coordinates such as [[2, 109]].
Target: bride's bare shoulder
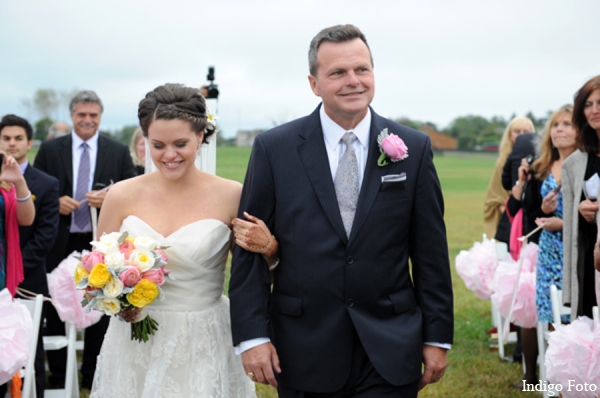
[[227, 187], [131, 188]]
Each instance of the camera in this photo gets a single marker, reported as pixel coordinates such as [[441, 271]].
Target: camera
[[212, 90], [530, 159]]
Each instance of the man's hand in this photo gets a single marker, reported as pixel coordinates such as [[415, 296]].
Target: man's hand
[[588, 210], [95, 198], [67, 205], [261, 361], [435, 360]]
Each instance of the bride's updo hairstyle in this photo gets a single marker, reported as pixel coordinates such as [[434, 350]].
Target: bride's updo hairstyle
[[175, 101]]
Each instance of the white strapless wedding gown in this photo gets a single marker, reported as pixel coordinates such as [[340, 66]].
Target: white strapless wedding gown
[[191, 354]]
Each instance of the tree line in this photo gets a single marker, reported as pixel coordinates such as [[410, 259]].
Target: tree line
[[471, 131]]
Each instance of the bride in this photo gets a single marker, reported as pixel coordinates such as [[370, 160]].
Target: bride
[[191, 212]]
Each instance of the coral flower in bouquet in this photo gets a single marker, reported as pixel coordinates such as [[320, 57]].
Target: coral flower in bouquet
[[121, 276]]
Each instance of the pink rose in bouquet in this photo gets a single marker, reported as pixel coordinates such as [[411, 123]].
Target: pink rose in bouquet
[[156, 275], [130, 276], [163, 256], [89, 260], [126, 248]]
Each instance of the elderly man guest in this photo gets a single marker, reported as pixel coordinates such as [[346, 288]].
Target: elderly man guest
[[83, 161], [344, 317]]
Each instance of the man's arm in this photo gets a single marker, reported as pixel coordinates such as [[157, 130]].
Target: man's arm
[[431, 268], [249, 286]]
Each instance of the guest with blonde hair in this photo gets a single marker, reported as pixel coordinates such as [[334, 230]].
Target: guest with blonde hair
[[137, 147], [558, 142], [496, 195]]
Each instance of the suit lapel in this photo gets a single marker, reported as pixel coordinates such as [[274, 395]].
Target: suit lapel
[[66, 152], [371, 177], [313, 154], [99, 169], [29, 176]]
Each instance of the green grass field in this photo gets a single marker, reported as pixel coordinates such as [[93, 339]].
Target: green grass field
[[474, 370]]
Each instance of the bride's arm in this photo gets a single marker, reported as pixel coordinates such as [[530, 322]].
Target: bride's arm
[[253, 235], [114, 209]]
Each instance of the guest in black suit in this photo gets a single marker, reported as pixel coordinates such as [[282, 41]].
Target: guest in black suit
[[16, 138], [344, 316], [83, 161]]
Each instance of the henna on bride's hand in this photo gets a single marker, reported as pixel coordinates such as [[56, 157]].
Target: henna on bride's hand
[[257, 238]]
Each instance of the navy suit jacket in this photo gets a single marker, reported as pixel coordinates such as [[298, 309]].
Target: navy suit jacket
[[37, 239], [329, 287], [55, 157]]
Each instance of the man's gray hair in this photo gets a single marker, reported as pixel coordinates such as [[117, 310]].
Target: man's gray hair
[[88, 96], [334, 34]]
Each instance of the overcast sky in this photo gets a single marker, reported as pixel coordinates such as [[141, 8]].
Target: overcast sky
[[434, 60]]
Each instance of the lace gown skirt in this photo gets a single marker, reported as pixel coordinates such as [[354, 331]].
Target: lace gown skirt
[[190, 355]]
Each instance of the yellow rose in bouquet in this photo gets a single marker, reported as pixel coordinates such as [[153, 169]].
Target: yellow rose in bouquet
[[99, 276], [144, 293], [80, 273]]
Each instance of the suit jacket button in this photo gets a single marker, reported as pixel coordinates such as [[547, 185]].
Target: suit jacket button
[[350, 303], [349, 260]]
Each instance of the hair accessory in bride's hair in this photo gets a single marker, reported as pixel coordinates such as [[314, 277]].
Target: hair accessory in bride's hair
[[211, 119]]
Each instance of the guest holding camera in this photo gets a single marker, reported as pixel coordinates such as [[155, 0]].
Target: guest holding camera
[[496, 195], [536, 194], [580, 192]]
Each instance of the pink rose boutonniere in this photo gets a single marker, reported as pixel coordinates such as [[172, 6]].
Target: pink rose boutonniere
[[392, 147]]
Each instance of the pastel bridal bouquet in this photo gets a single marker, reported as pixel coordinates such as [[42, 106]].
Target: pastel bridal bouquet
[[121, 276]]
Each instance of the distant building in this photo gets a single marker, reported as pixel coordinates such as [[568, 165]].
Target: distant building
[[490, 146], [439, 141], [246, 137]]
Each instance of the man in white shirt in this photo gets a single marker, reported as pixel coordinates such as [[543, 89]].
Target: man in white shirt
[[84, 162], [346, 315]]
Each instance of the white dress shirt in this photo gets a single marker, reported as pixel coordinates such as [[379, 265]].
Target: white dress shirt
[[76, 151]]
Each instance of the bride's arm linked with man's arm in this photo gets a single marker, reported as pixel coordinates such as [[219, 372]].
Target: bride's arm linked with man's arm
[[253, 235]]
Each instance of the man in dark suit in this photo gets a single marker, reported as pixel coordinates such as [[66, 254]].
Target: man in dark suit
[[16, 138], [346, 315], [84, 162]]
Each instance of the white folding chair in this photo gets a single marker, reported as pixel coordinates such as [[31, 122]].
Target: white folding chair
[[497, 319], [28, 373], [558, 309], [69, 342]]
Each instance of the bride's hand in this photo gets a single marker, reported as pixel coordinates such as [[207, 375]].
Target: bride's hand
[[253, 235]]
